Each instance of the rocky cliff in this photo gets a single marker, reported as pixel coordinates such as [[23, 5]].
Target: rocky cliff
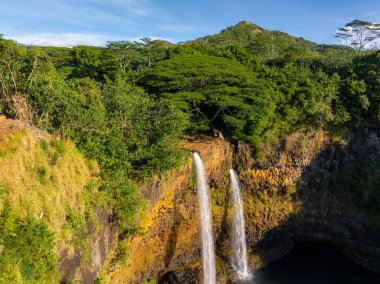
[[170, 237], [309, 186], [314, 187]]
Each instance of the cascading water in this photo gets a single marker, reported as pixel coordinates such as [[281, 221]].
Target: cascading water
[[239, 261], [208, 256]]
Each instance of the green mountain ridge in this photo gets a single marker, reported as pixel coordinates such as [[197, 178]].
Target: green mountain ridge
[[245, 33], [267, 44]]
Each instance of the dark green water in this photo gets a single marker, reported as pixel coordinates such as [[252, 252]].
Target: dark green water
[[313, 264]]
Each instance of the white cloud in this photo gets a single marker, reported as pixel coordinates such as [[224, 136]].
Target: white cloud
[[65, 39], [73, 22], [71, 39]]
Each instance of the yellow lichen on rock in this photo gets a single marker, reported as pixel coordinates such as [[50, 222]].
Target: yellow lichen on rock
[[170, 226]]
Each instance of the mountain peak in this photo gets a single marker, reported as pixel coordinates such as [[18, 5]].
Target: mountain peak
[[244, 26], [242, 32], [247, 24]]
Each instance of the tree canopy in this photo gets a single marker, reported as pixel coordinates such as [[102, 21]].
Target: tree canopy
[[360, 35]]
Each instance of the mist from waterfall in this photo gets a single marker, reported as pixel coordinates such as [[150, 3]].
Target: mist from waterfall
[[239, 246], [208, 254]]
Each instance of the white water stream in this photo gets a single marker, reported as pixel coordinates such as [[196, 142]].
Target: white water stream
[[239, 246], [208, 254]]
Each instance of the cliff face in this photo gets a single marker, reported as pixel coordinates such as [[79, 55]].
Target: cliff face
[[312, 187], [84, 265], [305, 187], [49, 181], [170, 237], [301, 189]]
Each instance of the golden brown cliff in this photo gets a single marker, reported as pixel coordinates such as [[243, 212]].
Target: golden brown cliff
[[170, 237], [293, 192]]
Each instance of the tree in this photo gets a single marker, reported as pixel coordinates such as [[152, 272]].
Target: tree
[[362, 88], [153, 50], [126, 51], [215, 92], [360, 35], [18, 69]]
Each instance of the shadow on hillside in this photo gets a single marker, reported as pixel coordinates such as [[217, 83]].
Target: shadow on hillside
[[340, 196]]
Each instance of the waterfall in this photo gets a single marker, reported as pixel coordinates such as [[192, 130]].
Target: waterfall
[[239, 246], [208, 256]]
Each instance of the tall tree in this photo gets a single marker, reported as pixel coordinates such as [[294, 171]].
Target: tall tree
[[126, 51], [360, 35]]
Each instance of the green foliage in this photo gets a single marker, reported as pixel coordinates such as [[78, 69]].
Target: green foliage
[[74, 219], [333, 59], [95, 63], [18, 68], [27, 253], [361, 88], [233, 52], [360, 183], [249, 83], [306, 98], [210, 89], [41, 174], [246, 102], [368, 184], [115, 123], [278, 46], [89, 100], [241, 34]]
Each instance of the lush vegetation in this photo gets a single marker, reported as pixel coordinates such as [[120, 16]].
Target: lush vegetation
[[27, 253], [126, 105]]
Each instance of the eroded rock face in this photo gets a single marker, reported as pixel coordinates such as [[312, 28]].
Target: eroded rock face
[[102, 241], [300, 192], [295, 191]]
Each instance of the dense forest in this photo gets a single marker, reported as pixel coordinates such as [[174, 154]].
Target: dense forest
[[127, 105]]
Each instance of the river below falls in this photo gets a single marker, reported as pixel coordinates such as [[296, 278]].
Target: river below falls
[[313, 264]]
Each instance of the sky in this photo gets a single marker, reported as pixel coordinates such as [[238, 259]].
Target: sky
[[94, 22]]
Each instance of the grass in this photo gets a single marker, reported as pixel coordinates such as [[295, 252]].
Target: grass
[[48, 180], [36, 186]]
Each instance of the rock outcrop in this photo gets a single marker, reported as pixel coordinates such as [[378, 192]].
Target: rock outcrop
[[308, 189], [102, 240]]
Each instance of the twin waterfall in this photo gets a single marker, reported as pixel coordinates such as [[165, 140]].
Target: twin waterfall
[[239, 262], [208, 254]]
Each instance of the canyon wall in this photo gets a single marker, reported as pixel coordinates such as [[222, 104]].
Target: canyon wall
[[303, 187]]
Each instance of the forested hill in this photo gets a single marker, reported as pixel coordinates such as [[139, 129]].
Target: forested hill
[[127, 105], [266, 44], [247, 34]]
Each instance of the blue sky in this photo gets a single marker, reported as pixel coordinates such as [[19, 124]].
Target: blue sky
[[72, 22]]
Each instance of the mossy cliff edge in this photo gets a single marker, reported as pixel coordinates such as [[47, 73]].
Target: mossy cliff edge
[[54, 223], [309, 186]]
